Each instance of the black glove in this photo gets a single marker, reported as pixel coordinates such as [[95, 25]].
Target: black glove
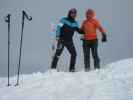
[[104, 37], [80, 31]]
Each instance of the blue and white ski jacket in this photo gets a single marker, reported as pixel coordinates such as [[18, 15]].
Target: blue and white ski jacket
[[66, 28]]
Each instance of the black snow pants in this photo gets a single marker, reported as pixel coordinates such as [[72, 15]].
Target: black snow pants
[[71, 48], [91, 46]]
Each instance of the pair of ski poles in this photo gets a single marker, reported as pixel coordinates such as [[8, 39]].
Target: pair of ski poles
[[8, 20]]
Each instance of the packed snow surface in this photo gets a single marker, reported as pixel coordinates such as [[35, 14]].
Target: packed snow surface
[[113, 82]]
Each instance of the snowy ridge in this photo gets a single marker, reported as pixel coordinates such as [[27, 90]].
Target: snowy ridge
[[115, 82]]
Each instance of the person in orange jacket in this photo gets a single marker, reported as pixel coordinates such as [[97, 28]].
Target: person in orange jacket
[[90, 41]]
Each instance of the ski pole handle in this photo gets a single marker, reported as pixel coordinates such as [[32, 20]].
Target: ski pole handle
[[7, 18], [26, 15]]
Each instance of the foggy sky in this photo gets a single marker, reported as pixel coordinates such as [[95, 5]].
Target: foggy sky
[[115, 15]]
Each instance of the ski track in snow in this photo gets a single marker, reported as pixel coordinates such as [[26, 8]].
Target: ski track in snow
[[114, 82]]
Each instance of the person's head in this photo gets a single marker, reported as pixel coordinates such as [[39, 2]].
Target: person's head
[[72, 13], [90, 13]]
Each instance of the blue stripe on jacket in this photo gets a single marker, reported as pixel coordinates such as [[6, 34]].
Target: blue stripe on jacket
[[64, 21]]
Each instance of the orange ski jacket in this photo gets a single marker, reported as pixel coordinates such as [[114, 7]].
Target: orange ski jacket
[[90, 28]]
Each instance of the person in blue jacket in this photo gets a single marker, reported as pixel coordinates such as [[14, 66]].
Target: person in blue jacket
[[64, 35]]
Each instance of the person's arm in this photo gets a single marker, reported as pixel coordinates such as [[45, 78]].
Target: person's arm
[[58, 30], [102, 30], [80, 30]]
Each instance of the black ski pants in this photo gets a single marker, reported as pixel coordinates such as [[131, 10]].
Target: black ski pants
[[60, 47], [91, 47]]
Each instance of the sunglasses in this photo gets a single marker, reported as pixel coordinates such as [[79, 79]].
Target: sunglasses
[[73, 12]]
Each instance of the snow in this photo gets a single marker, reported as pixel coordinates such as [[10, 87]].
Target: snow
[[114, 82]]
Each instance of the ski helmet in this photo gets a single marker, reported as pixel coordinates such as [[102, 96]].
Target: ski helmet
[[90, 13]]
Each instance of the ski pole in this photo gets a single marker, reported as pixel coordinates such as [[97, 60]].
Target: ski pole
[[7, 20], [29, 18]]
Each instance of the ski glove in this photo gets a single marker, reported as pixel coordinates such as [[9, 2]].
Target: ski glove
[[57, 38], [104, 37], [80, 31]]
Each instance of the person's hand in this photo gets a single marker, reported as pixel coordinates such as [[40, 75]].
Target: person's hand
[[82, 37], [57, 38], [104, 37]]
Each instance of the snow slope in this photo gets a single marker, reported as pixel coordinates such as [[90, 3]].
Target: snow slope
[[115, 82]]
